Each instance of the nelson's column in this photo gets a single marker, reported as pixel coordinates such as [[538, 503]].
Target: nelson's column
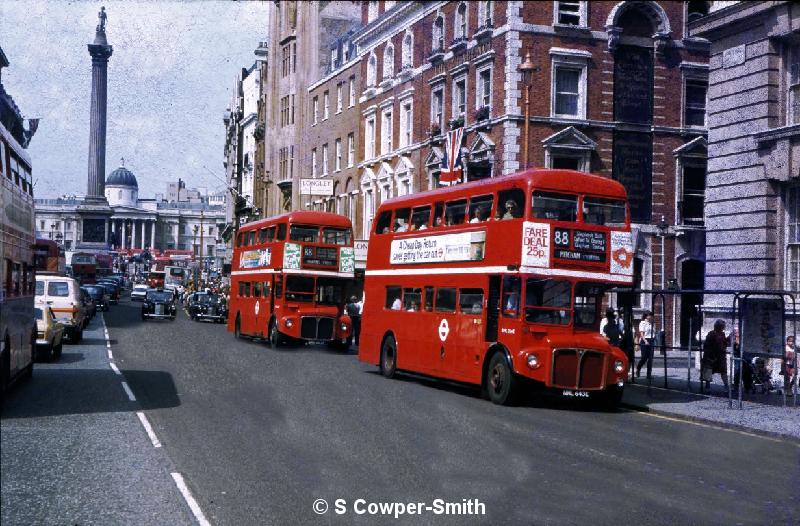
[[95, 212]]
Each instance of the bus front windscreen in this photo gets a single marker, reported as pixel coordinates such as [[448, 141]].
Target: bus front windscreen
[[331, 291], [548, 301], [300, 288]]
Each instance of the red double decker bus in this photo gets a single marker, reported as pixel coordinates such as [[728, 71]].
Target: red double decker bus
[[500, 281], [84, 267], [290, 278]]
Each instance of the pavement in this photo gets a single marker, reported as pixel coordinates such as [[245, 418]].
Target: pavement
[[262, 435]]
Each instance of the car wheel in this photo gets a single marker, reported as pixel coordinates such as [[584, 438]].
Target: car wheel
[[500, 383], [57, 350], [389, 357], [274, 335]]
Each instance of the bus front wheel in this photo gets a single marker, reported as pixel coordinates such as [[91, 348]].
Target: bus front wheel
[[500, 383], [389, 357]]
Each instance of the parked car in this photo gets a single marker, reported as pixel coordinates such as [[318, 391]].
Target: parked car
[[207, 306], [99, 296], [159, 303], [88, 304], [63, 296], [139, 292], [112, 289], [49, 335]]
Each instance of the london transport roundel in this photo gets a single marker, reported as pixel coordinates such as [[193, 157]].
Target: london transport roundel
[[257, 308], [444, 329]]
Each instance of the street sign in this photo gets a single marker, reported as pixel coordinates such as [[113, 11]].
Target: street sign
[[316, 187]]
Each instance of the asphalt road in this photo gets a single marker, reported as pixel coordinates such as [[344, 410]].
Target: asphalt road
[[260, 434]]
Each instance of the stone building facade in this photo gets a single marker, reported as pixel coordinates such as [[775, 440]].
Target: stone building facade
[[752, 208]]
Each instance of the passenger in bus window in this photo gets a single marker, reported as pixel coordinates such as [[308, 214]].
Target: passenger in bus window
[[413, 307], [397, 304], [400, 227], [512, 210], [418, 224], [448, 219], [437, 221], [480, 216]]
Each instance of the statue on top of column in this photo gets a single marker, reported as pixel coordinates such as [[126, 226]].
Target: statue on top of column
[[101, 27]]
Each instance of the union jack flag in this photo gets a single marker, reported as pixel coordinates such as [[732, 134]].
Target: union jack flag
[[451, 161]]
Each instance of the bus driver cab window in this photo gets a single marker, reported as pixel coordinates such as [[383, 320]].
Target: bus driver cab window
[[511, 294]]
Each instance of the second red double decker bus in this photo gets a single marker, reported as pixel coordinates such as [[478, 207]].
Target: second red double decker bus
[[290, 277], [500, 280]]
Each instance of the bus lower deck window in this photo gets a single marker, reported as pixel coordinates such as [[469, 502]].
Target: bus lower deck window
[[445, 300], [412, 299], [471, 301], [428, 299], [393, 294]]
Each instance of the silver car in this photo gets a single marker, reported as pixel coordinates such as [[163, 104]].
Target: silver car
[[139, 292]]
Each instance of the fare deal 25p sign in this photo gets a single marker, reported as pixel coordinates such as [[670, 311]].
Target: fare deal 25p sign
[[535, 244]]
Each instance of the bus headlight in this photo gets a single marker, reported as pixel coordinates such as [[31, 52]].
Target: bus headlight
[[533, 361], [618, 366], [344, 326], [289, 322]]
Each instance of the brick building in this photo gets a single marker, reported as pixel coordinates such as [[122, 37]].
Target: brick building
[[619, 90], [753, 197]]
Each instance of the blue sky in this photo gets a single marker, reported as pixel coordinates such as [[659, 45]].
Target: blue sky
[[169, 81]]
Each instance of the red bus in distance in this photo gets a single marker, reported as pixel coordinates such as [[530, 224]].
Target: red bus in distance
[[84, 267], [290, 278], [49, 257], [500, 281]]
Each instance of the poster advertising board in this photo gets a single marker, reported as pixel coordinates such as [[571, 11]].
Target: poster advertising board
[[347, 259], [291, 256], [465, 246], [762, 325], [535, 244], [255, 258]]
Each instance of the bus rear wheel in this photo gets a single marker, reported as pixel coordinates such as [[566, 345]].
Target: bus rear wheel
[[389, 357], [274, 335], [500, 383], [237, 328]]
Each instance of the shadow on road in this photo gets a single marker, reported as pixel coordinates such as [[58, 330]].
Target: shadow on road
[[55, 392], [70, 357]]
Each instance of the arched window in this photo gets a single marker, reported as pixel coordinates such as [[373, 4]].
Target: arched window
[[372, 73], [484, 13], [438, 33], [461, 21], [408, 51], [388, 61]]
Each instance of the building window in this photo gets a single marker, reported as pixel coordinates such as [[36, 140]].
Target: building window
[[437, 107], [485, 13], [325, 106], [291, 110], [461, 21], [285, 60], [313, 162], [369, 139], [693, 195], [325, 159], [438, 34], [483, 93], [352, 93], [372, 10], [695, 110], [794, 85], [565, 161], [570, 13], [569, 89], [369, 211], [339, 97], [293, 57], [460, 98], [388, 62], [372, 70], [314, 110], [408, 51], [793, 238], [351, 149], [406, 124], [386, 132], [338, 152]]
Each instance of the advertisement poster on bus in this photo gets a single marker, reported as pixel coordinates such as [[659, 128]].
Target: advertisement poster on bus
[[291, 256], [621, 253], [535, 244], [347, 259], [466, 246], [762, 325], [255, 258]]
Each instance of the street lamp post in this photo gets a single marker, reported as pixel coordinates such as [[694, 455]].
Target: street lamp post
[[527, 68], [201, 240], [663, 230]]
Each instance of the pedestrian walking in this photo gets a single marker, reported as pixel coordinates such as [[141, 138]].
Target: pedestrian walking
[[714, 360], [611, 328], [354, 309], [646, 339]]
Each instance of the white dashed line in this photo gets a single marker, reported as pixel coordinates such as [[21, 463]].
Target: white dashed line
[[128, 392], [148, 429], [187, 495], [114, 368], [110, 356]]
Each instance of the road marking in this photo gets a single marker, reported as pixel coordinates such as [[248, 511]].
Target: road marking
[[719, 428], [148, 429], [128, 392], [114, 368], [187, 495], [110, 356]]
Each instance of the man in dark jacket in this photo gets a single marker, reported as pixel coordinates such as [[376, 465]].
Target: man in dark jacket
[[714, 355]]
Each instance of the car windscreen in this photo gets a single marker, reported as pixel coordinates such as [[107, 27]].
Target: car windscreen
[[94, 291], [159, 296], [201, 298]]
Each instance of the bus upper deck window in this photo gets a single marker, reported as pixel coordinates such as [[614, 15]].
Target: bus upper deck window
[[240, 239], [251, 237], [281, 232], [307, 234], [336, 236], [599, 211], [555, 207], [510, 204], [383, 222], [455, 212], [480, 208], [264, 235], [438, 214], [401, 220], [420, 218]]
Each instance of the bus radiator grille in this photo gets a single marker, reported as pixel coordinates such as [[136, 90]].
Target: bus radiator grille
[[316, 328], [578, 369]]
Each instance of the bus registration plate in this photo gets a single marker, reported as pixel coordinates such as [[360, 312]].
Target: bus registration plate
[[575, 394]]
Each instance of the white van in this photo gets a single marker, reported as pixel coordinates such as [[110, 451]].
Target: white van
[[63, 295]]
